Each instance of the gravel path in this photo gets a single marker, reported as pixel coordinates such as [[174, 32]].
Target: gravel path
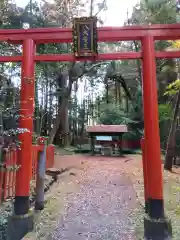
[[101, 210]]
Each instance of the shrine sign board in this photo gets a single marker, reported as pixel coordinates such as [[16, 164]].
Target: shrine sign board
[[85, 37]]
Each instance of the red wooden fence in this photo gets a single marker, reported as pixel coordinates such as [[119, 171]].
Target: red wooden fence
[[8, 172]]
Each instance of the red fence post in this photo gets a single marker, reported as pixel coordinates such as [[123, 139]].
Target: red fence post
[[23, 176], [151, 125], [50, 153]]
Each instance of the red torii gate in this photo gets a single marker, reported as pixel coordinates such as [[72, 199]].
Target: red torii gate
[[147, 35]]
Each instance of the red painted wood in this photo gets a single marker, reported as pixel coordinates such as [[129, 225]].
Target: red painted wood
[[145, 170], [24, 173], [146, 34], [170, 54], [105, 34], [151, 123], [8, 177], [101, 57]]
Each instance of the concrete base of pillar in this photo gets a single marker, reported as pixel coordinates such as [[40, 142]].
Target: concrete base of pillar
[[39, 206], [157, 229], [19, 226]]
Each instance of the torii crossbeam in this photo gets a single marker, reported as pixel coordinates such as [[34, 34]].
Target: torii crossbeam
[[147, 35]]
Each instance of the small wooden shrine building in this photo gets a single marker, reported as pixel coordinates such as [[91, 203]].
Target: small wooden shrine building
[[106, 136]]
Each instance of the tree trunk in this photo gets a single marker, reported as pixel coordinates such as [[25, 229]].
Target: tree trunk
[[119, 93], [116, 92], [45, 125], [65, 122], [138, 61], [91, 8], [107, 93], [65, 126], [127, 104], [83, 120], [73, 133], [58, 137], [170, 151], [76, 71], [37, 113], [60, 111], [50, 106]]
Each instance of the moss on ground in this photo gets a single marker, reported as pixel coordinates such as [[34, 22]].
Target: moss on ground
[[172, 201], [171, 195]]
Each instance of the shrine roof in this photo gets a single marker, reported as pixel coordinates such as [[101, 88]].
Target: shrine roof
[[107, 129]]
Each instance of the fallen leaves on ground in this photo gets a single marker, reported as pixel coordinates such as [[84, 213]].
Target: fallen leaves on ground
[[131, 166]]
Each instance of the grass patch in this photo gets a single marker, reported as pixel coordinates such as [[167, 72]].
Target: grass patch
[[172, 201], [86, 149], [130, 151], [82, 151], [65, 151]]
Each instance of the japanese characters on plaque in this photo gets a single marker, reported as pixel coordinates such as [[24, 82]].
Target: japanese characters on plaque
[[85, 37]]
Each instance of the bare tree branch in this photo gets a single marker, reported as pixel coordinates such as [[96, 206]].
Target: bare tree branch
[[102, 7]]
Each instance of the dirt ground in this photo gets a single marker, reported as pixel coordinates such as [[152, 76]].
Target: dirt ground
[[101, 198]]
